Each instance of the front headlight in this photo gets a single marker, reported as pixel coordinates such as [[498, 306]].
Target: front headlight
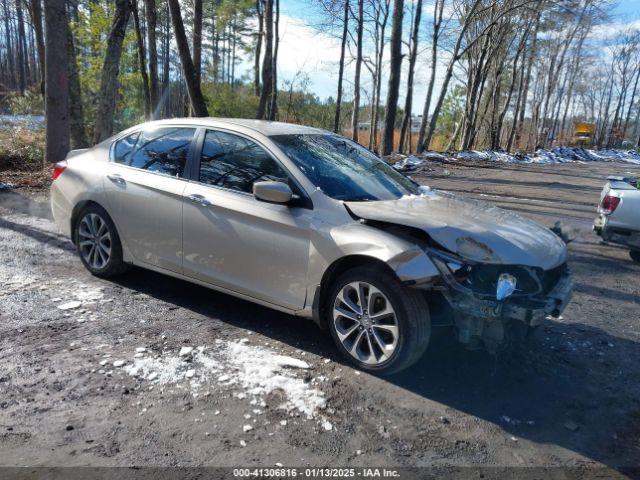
[[506, 286]]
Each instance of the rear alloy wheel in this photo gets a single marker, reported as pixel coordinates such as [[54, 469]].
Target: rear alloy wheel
[[378, 323], [94, 241], [98, 243]]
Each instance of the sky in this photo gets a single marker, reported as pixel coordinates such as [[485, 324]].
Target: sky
[[304, 49]]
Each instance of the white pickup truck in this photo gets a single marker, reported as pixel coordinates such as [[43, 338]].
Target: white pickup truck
[[618, 219]]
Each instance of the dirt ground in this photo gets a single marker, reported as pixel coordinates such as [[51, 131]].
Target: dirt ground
[[570, 399]]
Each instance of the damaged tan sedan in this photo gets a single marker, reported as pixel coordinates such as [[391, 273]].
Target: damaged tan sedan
[[312, 224]]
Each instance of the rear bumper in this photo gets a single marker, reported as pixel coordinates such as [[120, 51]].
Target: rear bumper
[[617, 235], [61, 210]]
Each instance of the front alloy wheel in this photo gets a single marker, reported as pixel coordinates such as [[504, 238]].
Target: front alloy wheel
[[377, 322], [365, 323]]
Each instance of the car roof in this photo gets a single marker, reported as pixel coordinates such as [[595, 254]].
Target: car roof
[[264, 127]]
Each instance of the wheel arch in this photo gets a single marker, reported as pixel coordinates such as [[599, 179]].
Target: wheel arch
[[333, 271], [75, 215]]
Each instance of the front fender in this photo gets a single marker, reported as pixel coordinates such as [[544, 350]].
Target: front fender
[[332, 243]]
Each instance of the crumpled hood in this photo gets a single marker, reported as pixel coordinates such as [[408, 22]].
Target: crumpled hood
[[472, 229]]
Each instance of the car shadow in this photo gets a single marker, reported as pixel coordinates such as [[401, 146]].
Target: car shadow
[[570, 385]]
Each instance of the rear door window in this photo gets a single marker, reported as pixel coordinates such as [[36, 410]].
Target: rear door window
[[162, 150], [235, 162]]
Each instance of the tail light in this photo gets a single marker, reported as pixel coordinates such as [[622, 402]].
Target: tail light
[[58, 168], [608, 204]]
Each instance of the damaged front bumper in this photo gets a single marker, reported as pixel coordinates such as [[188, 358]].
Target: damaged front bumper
[[482, 320]]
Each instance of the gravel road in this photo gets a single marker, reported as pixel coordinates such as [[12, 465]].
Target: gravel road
[[150, 371]]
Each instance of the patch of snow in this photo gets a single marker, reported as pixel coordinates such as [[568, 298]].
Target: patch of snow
[[255, 370], [69, 305], [553, 155], [259, 371], [89, 295]]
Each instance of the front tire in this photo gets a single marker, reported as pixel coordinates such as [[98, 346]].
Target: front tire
[[377, 323], [98, 243]]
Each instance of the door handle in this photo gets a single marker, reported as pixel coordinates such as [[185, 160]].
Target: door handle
[[200, 200], [117, 179]]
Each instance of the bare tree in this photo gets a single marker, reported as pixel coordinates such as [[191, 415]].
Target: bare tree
[[35, 10], [413, 55], [258, 52], [267, 62], [355, 115], [273, 109], [76, 110], [343, 44], [197, 38], [142, 60], [110, 70], [154, 89], [56, 88], [191, 79], [23, 65], [438, 9], [394, 77]]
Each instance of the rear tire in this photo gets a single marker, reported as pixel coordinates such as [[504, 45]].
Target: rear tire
[[98, 242], [388, 331], [635, 255]]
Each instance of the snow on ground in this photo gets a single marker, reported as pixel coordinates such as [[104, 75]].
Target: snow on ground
[[251, 371], [556, 155], [30, 122]]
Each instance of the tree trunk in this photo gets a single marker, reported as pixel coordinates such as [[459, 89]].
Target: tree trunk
[[527, 81], [378, 89], [110, 70], [437, 22], [197, 38], [355, 115], [76, 111], [256, 59], [21, 50], [394, 77], [406, 119], [154, 91], [198, 105], [345, 31], [56, 88], [10, 59], [35, 8], [273, 110], [142, 60], [166, 66], [633, 97], [267, 61]]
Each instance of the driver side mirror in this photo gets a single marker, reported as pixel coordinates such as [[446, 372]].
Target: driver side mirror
[[272, 192]]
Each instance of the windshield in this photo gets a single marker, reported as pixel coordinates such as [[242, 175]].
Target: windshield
[[343, 169]]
